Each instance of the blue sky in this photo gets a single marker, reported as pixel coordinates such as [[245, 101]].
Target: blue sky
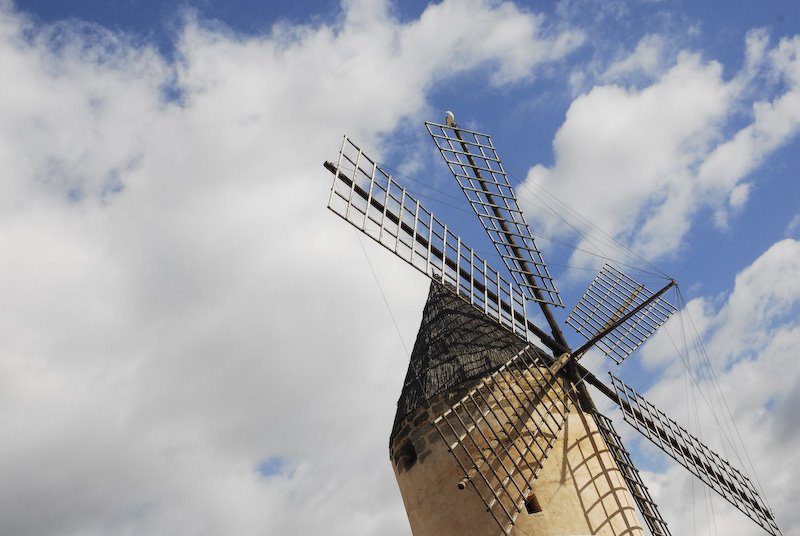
[[193, 343]]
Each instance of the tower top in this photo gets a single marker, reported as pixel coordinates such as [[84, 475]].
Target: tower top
[[456, 346]]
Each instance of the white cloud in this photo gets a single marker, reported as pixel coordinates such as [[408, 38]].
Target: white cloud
[[627, 152], [640, 163], [646, 60], [793, 227], [172, 316]]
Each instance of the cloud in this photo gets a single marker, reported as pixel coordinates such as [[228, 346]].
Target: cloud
[[793, 227], [171, 318], [646, 59], [659, 154]]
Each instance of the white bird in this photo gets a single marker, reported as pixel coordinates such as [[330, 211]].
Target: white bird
[[449, 119]]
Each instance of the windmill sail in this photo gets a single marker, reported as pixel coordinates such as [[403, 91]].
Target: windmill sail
[[687, 450], [609, 298], [503, 429], [473, 160], [514, 399], [367, 198], [647, 507]]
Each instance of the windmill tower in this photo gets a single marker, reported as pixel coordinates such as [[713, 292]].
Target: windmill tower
[[496, 432]]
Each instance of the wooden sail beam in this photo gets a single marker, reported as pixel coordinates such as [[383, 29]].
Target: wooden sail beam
[[600, 316], [510, 237], [517, 249]]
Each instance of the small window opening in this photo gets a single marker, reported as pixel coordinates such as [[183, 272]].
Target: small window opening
[[406, 455], [532, 504]]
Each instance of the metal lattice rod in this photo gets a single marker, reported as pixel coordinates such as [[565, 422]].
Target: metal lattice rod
[[609, 298], [474, 162], [687, 450], [647, 507], [367, 198], [503, 429]]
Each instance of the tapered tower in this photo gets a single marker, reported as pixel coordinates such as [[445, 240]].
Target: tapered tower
[[579, 488]]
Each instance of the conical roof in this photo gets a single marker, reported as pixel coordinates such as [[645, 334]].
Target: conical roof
[[456, 346]]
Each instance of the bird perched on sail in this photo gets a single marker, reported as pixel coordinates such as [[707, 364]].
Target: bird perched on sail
[[449, 119]]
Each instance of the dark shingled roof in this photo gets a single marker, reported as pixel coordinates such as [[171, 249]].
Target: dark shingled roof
[[456, 345]]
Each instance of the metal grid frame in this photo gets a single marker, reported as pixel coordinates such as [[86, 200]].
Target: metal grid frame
[[688, 451], [609, 297], [366, 197], [501, 432], [474, 163], [647, 507]]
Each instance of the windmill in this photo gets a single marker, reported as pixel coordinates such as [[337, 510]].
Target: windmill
[[496, 431]]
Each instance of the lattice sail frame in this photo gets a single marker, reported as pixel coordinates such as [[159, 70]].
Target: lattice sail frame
[[474, 162], [688, 451], [502, 431], [367, 198], [640, 493], [609, 297]]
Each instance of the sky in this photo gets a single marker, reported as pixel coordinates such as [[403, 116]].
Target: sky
[[191, 343]]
